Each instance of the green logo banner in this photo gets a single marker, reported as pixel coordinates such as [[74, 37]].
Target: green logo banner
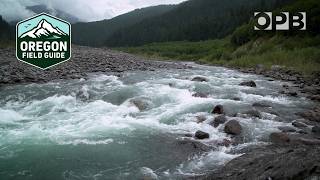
[[43, 41]]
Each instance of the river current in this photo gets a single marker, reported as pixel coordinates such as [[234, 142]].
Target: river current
[[90, 129]]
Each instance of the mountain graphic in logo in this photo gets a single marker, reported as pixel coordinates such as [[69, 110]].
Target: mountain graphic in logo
[[44, 30], [43, 41]]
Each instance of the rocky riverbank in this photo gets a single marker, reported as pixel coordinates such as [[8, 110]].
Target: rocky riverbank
[[298, 84], [293, 153], [84, 60]]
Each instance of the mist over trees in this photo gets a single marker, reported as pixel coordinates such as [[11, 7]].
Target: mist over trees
[[193, 20]]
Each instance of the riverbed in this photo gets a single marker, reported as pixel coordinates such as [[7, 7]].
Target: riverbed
[[91, 128]]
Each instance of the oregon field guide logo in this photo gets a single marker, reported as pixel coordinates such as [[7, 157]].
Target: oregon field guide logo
[[43, 41]]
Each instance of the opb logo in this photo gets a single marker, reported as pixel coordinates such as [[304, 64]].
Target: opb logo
[[283, 21]]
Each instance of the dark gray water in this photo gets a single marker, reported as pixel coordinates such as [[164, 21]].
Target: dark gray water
[[89, 128]]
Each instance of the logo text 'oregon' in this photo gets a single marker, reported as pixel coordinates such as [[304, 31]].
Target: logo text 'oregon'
[[43, 41]]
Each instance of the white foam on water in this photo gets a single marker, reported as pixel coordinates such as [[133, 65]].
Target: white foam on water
[[50, 104], [103, 77], [64, 120], [10, 116], [86, 142], [148, 173], [274, 99], [198, 165], [259, 129]]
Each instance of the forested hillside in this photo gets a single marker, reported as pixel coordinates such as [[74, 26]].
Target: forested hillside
[[298, 50], [6, 32], [96, 33], [192, 20]]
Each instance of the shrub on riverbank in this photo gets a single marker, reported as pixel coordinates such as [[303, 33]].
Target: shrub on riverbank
[[300, 53], [298, 50]]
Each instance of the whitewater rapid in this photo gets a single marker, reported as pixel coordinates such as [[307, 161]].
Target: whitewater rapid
[[90, 129]]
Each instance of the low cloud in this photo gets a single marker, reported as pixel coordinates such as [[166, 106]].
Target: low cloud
[[12, 10], [85, 10]]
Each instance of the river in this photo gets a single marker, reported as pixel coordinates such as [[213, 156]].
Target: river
[[89, 128]]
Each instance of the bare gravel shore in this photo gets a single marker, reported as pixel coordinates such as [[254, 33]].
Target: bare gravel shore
[[84, 60]]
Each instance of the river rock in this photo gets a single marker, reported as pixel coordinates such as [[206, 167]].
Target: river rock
[[292, 93], [236, 99], [218, 120], [312, 90], [233, 127], [299, 124], [140, 104], [200, 95], [312, 115], [277, 67], [248, 83], [200, 79], [83, 95], [286, 129], [193, 146], [302, 131], [218, 110], [253, 113], [84, 60], [201, 135], [314, 97], [307, 141], [279, 138], [260, 104], [316, 129], [201, 118], [225, 142], [272, 162], [286, 86]]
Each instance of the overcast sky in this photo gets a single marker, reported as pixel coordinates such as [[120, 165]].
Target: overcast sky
[[87, 10]]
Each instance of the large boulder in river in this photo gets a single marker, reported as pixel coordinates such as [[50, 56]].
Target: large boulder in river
[[141, 104], [248, 83], [279, 138], [200, 79], [218, 120], [272, 162], [233, 127], [252, 113], [201, 135], [218, 110], [316, 130]]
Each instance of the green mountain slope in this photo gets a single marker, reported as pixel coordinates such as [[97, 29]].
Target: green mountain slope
[[6, 34], [297, 50], [95, 33], [192, 20], [5, 30]]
